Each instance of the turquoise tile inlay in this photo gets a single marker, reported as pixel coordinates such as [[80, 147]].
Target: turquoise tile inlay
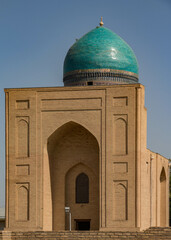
[[100, 49]]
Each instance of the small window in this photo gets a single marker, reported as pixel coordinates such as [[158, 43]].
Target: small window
[[82, 188], [89, 83]]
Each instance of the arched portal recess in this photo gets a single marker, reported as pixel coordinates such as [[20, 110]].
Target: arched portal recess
[[163, 198], [73, 150]]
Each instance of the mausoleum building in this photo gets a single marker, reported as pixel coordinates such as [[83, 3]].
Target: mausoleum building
[[83, 146]]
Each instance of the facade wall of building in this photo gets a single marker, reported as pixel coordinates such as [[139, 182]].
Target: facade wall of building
[[142, 174], [159, 189], [121, 158], [154, 191], [151, 165], [48, 132], [21, 165]]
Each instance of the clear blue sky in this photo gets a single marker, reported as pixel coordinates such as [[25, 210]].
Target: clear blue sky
[[35, 36]]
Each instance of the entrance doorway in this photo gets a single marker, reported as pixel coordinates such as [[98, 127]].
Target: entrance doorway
[[82, 225]]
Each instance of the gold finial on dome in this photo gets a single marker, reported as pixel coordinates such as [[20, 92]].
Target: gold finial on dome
[[101, 22]]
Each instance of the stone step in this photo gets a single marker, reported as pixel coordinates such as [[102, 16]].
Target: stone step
[[149, 234], [158, 230]]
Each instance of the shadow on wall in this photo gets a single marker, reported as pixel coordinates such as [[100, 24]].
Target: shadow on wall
[[2, 218], [2, 223]]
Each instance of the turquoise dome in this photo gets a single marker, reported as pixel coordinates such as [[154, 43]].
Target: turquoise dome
[[100, 50]]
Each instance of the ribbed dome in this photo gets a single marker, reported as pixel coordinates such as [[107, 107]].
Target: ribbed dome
[[100, 57]]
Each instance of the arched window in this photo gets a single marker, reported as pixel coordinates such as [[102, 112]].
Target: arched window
[[163, 175], [82, 188]]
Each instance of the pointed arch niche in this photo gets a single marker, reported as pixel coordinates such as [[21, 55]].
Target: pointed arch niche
[[163, 198], [120, 205], [120, 135], [22, 137], [73, 150], [22, 204]]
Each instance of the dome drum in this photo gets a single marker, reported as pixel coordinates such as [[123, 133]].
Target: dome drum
[[99, 77]]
